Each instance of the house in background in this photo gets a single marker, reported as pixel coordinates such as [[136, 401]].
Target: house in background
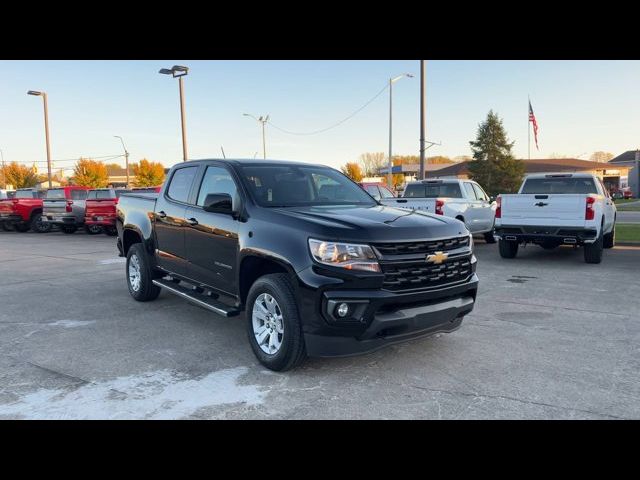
[[613, 176], [630, 160]]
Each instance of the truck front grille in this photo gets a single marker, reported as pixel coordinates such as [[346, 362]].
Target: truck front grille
[[422, 275], [430, 246]]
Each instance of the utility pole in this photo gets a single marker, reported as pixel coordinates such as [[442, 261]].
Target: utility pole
[[391, 82], [422, 118], [262, 120], [126, 158], [4, 175]]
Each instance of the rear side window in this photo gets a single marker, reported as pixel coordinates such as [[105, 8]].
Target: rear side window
[[55, 194], [480, 195], [181, 182], [559, 185], [469, 189], [433, 190], [99, 195], [78, 194]]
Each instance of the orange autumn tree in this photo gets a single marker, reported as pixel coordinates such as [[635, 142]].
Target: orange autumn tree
[[353, 171], [148, 174]]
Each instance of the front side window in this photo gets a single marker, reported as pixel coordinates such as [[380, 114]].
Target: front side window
[[180, 185], [302, 185], [216, 180], [470, 191], [480, 195], [24, 194]]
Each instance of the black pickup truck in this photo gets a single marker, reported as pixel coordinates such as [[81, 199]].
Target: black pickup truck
[[317, 265]]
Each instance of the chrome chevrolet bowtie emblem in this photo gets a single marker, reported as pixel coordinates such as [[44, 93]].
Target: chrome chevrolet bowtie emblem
[[437, 257]]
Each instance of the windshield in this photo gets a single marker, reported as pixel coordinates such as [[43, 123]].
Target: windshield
[[302, 185], [433, 190], [55, 193], [24, 194], [559, 185]]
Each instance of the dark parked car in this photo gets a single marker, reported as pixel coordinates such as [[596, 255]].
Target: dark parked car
[[317, 265]]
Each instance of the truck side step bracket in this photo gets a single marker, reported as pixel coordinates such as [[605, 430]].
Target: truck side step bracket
[[197, 298]]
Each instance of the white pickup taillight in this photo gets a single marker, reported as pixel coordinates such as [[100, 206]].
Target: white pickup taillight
[[590, 213], [499, 207], [439, 206], [69, 206]]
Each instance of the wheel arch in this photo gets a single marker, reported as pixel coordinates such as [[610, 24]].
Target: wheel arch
[[252, 267]]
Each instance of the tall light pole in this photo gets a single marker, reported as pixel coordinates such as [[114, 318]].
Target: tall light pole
[[263, 121], [46, 128], [391, 82], [422, 119], [178, 71], [126, 157]]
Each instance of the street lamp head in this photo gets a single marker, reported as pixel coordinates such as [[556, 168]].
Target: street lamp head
[[175, 71], [34, 92], [165, 71], [410, 75]]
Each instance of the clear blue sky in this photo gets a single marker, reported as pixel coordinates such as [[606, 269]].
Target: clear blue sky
[[581, 107]]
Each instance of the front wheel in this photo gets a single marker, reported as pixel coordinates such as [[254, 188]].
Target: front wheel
[[273, 323], [139, 275], [508, 248], [610, 238], [69, 229]]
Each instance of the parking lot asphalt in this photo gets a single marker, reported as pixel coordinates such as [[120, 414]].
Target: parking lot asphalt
[[551, 337]]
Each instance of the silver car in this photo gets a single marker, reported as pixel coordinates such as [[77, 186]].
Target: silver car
[[65, 207]]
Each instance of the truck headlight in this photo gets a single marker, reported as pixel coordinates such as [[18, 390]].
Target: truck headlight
[[345, 255], [471, 242]]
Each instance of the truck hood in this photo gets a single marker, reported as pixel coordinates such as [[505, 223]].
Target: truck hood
[[372, 224]]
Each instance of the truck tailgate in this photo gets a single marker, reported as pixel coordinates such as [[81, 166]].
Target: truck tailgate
[[530, 209], [102, 207], [51, 206], [423, 204]]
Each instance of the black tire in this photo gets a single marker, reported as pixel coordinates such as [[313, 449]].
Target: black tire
[[508, 248], [38, 226], [111, 231], [593, 251], [292, 349], [7, 227], [489, 238], [146, 290], [609, 240], [68, 229], [22, 226], [93, 229]]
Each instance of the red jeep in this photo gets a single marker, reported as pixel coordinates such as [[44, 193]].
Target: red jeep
[[23, 211], [100, 214]]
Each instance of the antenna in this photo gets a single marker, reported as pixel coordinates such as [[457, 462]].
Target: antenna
[[223, 155]]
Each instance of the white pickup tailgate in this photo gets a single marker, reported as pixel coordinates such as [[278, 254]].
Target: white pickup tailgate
[[423, 204], [543, 209]]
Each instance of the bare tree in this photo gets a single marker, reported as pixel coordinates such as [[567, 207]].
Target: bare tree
[[371, 163], [600, 156]]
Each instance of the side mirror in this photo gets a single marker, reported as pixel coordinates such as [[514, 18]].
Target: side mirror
[[492, 198], [218, 203]]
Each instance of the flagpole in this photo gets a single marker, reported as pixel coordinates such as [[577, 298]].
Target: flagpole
[[528, 129]]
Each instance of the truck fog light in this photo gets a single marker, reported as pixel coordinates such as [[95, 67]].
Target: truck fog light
[[342, 310]]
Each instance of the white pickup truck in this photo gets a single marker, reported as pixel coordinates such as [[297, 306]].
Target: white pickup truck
[[557, 209], [461, 199]]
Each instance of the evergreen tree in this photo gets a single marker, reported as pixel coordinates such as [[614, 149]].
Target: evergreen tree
[[493, 165]]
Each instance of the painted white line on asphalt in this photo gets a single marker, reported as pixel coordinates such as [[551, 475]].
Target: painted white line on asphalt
[[154, 395], [109, 261]]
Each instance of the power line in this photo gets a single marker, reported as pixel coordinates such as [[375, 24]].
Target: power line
[[315, 132]]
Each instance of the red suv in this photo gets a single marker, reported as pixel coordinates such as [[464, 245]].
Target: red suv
[[23, 211], [100, 214]]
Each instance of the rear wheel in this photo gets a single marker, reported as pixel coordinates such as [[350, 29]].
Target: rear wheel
[[38, 226], [593, 251], [93, 229], [139, 275], [22, 226], [68, 229], [610, 238], [111, 231], [7, 227], [508, 248], [273, 323]]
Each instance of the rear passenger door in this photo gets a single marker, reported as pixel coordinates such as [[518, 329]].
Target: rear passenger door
[[169, 220], [486, 213], [473, 215]]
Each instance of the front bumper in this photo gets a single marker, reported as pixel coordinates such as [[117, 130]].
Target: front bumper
[[542, 234], [383, 318]]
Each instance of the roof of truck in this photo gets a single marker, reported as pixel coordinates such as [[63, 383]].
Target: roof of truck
[[254, 161], [560, 175]]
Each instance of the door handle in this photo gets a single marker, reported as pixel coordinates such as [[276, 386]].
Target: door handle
[[192, 221], [161, 214]]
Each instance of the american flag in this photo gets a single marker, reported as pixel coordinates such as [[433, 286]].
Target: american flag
[[532, 119]]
